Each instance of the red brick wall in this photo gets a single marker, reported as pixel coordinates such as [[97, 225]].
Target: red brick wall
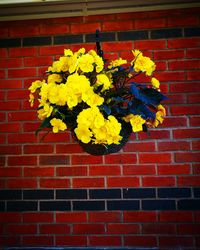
[[54, 194]]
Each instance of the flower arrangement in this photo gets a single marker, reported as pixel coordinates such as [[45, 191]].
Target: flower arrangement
[[98, 100]]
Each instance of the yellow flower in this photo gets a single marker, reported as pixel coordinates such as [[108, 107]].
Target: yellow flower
[[102, 79], [100, 135], [58, 125], [98, 61], [83, 134], [162, 109], [36, 85], [143, 63], [44, 92], [136, 122], [155, 83], [54, 78], [52, 94], [72, 101], [117, 63], [128, 118], [86, 63], [56, 66], [95, 100], [45, 111], [92, 53], [159, 119], [31, 99], [85, 117], [73, 63], [68, 52], [92, 122], [81, 51], [113, 128], [160, 114], [62, 65], [98, 121], [136, 52], [62, 95], [77, 88]]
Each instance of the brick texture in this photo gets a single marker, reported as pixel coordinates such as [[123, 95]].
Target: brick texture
[[145, 196]]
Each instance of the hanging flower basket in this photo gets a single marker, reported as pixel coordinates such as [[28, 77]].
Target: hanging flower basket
[[98, 100]]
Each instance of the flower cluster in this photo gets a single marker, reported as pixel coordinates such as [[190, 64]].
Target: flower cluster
[[93, 98]]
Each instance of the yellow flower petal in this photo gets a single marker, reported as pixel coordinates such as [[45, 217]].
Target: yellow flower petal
[[155, 83], [136, 122], [58, 125]]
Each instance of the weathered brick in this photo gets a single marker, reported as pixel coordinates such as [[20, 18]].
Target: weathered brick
[[71, 171], [37, 217], [38, 171], [10, 84], [176, 169], [71, 217], [71, 240], [193, 53], [182, 110], [84, 27], [175, 216], [22, 160], [123, 182], [54, 183], [148, 169], [11, 63], [54, 229], [156, 181], [117, 25], [88, 182], [104, 170], [38, 240], [159, 229], [105, 241], [22, 73], [21, 229], [173, 145], [10, 172], [21, 183], [183, 43], [155, 158], [22, 52], [186, 133], [184, 65], [37, 61], [150, 23], [46, 29], [139, 147], [85, 159], [175, 241], [168, 54], [120, 159], [141, 241], [123, 228], [54, 160], [88, 229], [104, 217], [187, 157], [182, 21], [188, 181]]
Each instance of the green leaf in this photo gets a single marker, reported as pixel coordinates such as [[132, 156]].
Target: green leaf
[[45, 124]]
